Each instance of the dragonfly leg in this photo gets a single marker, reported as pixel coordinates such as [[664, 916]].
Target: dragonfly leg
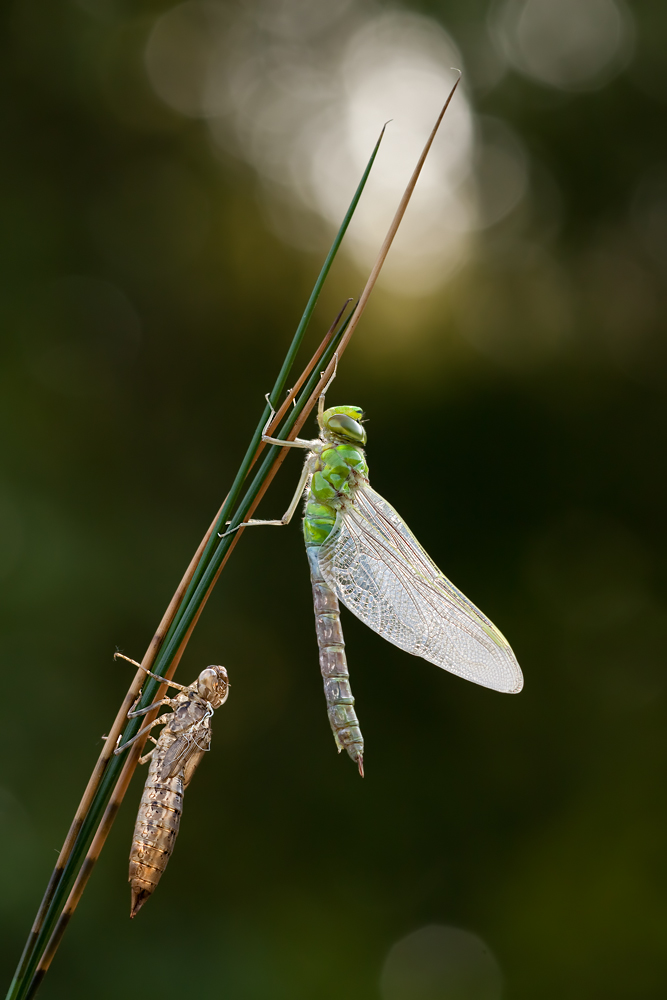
[[296, 443], [147, 756], [142, 732], [271, 415], [267, 439], [156, 704], [121, 656], [157, 677], [289, 513]]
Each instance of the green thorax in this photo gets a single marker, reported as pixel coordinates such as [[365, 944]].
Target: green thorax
[[338, 470]]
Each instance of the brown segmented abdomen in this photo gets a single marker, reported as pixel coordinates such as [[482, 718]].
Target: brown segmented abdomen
[[158, 820], [173, 761], [333, 664], [159, 815]]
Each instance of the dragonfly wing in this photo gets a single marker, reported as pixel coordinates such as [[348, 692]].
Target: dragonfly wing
[[183, 750], [378, 569]]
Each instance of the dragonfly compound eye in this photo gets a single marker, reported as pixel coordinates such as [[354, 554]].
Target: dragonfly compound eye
[[345, 427], [213, 685]]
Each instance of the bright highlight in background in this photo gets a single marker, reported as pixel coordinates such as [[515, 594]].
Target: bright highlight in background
[[440, 963], [570, 45], [301, 92]]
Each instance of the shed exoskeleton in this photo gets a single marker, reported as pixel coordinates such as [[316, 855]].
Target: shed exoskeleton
[[173, 760]]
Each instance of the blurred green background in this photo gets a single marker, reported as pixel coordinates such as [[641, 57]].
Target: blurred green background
[[164, 218]]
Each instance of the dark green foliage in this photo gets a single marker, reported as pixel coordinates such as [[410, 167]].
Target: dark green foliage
[[534, 479]]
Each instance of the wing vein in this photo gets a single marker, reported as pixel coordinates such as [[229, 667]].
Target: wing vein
[[378, 569]]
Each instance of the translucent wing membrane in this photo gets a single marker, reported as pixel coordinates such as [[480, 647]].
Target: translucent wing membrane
[[183, 749], [378, 569]]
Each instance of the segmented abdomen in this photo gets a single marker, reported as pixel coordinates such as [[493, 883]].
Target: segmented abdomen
[[333, 664], [158, 820]]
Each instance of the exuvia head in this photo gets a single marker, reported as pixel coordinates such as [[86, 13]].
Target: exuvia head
[[342, 424], [213, 686]]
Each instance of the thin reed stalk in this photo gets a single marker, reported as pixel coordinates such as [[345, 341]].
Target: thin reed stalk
[[47, 912], [175, 626], [322, 355], [384, 249], [111, 776], [116, 730]]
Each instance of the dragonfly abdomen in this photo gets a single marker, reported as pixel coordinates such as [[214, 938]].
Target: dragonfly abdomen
[[184, 740], [158, 821], [333, 664]]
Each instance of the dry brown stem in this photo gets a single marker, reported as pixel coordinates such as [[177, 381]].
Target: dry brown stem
[[135, 751]]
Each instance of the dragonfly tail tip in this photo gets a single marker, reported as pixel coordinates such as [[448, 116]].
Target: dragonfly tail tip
[[139, 897], [360, 763]]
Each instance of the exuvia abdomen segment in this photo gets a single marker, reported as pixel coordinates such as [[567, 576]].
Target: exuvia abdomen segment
[[184, 740], [157, 825]]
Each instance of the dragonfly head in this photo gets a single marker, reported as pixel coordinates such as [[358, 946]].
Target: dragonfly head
[[213, 685], [343, 424]]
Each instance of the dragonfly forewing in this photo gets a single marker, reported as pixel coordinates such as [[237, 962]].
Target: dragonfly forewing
[[378, 569]]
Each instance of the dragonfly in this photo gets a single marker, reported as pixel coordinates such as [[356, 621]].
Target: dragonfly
[[361, 552], [185, 739]]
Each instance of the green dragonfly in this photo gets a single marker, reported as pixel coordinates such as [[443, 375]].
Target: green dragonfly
[[362, 553]]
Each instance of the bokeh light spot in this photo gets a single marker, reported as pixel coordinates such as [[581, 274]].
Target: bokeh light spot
[[570, 45], [182, 52], [649, 212], [517, 310], [501, 171], [305, 108], [440, 963]]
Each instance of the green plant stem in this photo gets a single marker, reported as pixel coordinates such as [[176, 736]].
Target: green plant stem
[[212, 560], [60, 884], [173, 640], [281, 381]]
